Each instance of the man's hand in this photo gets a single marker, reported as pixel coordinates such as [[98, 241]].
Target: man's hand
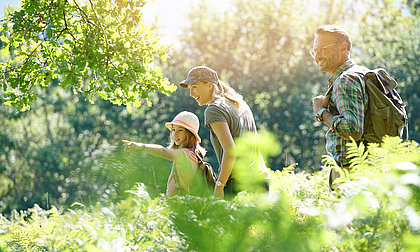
[[320, 102]]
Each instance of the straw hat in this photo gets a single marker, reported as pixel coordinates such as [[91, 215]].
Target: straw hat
[[187, 120]]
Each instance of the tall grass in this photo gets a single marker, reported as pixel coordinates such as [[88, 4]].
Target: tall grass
[[376, 208]]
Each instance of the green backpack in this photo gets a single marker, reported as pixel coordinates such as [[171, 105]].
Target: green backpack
[[386, 113]]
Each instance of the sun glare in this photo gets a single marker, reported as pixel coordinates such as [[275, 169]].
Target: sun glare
[[171, 15]]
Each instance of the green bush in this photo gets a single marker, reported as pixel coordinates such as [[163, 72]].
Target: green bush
[[375, 208]]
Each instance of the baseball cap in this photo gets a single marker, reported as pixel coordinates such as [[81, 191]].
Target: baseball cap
[[200, 73]]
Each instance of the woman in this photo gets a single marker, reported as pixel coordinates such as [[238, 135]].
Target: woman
[[228, 117], [185, 152]]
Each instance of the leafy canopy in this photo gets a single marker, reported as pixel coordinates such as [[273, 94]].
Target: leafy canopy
[[94, 47]]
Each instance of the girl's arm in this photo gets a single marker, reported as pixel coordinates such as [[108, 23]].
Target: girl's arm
[[154, 149], [221, 129]]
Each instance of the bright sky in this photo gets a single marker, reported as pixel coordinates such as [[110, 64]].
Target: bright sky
[[170, 14], [5, 3]]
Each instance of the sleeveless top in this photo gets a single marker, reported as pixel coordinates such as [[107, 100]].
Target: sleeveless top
[[182, 173]]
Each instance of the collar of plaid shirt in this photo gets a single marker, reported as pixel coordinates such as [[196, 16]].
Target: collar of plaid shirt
[[349, 63]]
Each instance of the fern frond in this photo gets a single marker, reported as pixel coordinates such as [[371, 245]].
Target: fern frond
[[329, 161], [357, 155]]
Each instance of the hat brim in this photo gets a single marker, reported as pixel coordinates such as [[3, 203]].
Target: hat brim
[[169, 126], [184, 85], [186, 82]]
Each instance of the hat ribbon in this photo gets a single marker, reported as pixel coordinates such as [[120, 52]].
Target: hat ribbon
[[186, 124]]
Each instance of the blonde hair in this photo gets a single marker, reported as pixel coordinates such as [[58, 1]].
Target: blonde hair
[[223, 89], [336, 31], [190, 142]]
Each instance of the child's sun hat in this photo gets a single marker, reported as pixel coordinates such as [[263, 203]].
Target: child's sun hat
[[187, 120]]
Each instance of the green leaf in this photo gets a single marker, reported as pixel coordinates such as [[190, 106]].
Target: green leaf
[[5, 51], [4, 39], [24, 47]]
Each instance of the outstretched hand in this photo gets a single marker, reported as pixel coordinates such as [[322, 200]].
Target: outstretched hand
[[132, 146]]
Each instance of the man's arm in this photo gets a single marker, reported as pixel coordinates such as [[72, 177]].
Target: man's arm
[[327, 118], [350, 105]]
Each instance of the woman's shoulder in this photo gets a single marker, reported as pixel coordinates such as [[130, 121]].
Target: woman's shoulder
[[221, 108], [216, 106], [222, 104]]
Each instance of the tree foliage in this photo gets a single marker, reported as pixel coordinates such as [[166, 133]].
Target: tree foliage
[[95, 47]]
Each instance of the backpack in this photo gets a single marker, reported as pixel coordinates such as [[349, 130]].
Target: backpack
[[208, 173], [385, 113]]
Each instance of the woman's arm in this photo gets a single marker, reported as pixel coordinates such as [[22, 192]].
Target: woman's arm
[[221, 129], [154, 149]]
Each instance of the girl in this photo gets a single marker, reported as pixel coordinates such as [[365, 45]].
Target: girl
[[184, 150], [228, 117]]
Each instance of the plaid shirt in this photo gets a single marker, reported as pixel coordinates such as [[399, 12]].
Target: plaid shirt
[[347, 104]]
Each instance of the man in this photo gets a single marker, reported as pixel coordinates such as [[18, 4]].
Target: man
[[344, 106]]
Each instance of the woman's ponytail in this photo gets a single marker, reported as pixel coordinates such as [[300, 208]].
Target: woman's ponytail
[[223, 89]]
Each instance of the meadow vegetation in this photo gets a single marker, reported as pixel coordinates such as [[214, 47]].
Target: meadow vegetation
[[376, 208]]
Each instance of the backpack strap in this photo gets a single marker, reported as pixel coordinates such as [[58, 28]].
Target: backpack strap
[[189, 153], [354, 69]]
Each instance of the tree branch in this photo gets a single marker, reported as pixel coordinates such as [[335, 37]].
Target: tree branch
[[85, 16], [67, 28], [106, 39]]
